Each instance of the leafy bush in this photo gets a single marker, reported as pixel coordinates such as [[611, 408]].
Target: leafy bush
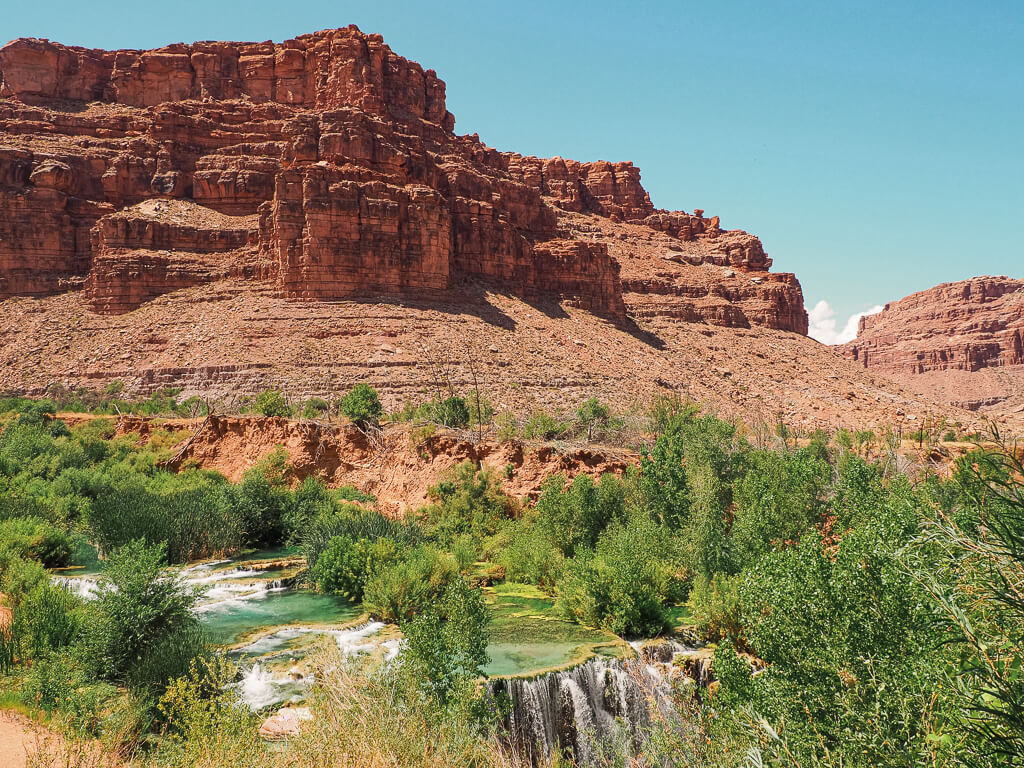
[[36, 539], [544, 426], [50, 617], [777, 498], [450, 412], [362, 405], [271, 402], [144, 613], [529, 556], [446, 644], [623, 584], [410, 585], [356, 523], [314, 408], [469, 502], [192, 515], [348, 564], [716, 606], [574, 517]]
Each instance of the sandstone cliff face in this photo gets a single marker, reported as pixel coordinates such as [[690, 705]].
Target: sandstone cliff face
[[970, 325], [960, 342], [332, 165]]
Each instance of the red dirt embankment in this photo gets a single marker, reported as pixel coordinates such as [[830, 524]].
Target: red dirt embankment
[[388, 464]]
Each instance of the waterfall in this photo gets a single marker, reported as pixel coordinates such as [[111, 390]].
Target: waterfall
[[85, 588], [599, 707]]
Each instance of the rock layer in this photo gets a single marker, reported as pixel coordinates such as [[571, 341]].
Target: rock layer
[[961, 342], [328, 166]]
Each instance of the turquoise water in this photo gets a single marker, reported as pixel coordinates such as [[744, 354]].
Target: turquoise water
[[227, 622]]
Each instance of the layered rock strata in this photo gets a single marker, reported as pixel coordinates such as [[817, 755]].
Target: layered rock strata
[[328, 166], [962, 343]]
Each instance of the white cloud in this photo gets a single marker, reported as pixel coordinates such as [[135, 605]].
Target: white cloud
[[824, 326]]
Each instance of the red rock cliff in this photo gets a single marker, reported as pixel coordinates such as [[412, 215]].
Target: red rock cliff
[[970, 325], [328, 165]]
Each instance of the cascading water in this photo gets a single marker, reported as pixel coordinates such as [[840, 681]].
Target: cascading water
[[599, 707]]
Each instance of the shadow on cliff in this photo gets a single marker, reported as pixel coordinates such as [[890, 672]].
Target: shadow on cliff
[[467, 300]]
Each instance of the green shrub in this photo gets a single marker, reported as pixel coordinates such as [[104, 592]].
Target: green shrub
[[36, 539], [144, 616], [271, 402], [362, 405], [716, 606], [407, 587], [451, 412], [348, 564], [50, 617], [949, 436], [623, 584], [446, 643], [574, 517], [543, 426], [314, 408], [778, 498], [356, 523], [528, 556], [469, 502]]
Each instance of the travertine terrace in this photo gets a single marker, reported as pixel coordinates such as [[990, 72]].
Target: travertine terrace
[[228, 216]]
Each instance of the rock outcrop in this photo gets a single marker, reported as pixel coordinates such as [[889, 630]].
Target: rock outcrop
[[327, 166], [973, 324], [961, 342]]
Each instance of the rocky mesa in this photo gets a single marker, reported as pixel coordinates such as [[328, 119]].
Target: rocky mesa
[[326, 164], [961, 343], [224, 217]]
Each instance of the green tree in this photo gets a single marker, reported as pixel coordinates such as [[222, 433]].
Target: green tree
[[591, 415], [362, 405], [271, 402], [446, 644]]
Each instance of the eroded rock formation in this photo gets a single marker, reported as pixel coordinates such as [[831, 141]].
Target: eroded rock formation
[[961, 342], [327, 165]]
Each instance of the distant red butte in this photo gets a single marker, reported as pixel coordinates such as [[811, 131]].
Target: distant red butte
[[961, 343]]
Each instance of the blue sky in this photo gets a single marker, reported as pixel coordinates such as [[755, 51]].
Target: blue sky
[[877, 148]]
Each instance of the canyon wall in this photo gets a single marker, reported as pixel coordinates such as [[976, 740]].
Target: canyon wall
[[328, 166], [967, 326]]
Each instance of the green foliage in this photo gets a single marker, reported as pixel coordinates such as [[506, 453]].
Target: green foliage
[[544, 426], [410, 585], [450, 412], [356, 523], [206, 723], [716, 606], [362, 405], [193, 515], [262, 501], [36, 539], [50, 617], [574, 517], [981, 613], [623, 584], [470, 502], [144, 619], [853, 661], [315, 408], [446, 643], [528, 555], [271, 402], [592, 416], [347, 565], [779, 496]]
